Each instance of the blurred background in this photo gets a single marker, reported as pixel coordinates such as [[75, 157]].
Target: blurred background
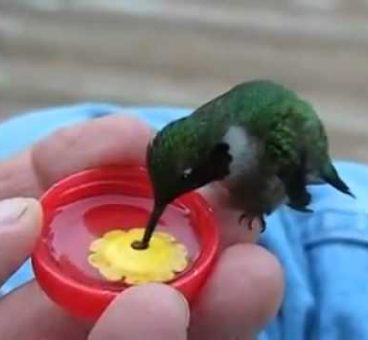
[[183, 53]]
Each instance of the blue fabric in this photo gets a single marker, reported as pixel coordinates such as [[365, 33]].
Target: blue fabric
[[324, 255]]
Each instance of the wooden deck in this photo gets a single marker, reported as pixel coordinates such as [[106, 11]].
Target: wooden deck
[[185, 52]]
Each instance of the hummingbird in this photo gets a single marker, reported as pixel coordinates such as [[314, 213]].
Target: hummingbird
[[259, 139]]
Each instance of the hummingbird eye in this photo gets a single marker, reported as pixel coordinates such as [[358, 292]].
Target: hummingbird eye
[[186, 173]]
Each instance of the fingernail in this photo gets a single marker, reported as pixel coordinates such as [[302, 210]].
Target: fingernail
[[186, 308], [12, 210]]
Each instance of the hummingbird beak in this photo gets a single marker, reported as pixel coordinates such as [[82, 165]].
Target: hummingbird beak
[[156, 213]]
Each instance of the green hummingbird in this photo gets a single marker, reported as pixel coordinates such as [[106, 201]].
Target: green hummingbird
[[262, 141]]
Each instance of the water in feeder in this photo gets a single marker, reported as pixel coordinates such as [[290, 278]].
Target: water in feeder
[[75, 226]]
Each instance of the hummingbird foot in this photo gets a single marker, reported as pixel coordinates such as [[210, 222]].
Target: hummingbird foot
[[301, 203], [251, 219], [301, 209], [263, 224]]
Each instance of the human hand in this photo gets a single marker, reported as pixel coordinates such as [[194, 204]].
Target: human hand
[[242, 294]]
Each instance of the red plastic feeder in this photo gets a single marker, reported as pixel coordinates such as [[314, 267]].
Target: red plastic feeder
[[84, 206]]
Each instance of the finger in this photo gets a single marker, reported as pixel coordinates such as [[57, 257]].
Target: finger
[[231, 230], [105, 141], [154, 311], [17, 177], [244, 292], [28, 314], [20, 222]]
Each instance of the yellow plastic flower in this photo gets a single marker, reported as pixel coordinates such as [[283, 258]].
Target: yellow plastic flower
[[116, 259]]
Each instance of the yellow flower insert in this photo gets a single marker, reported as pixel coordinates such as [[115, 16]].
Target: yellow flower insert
[[116, 260]]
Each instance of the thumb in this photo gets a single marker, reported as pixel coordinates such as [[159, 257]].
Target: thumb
[[151, 311], [20, 220]]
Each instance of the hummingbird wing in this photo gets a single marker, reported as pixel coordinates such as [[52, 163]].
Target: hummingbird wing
[[286, 149], [297, 146]]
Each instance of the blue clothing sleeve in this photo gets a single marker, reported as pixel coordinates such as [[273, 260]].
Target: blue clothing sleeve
[[324, 254], [325, 258]]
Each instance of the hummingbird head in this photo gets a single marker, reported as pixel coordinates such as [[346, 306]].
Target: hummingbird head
[[182, 158]]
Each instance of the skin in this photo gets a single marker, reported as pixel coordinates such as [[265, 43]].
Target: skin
[[230, 306]]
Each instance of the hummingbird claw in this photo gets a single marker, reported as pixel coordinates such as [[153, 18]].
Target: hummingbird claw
[[263, 225], [251, 220], [243, 217], [302, 209]]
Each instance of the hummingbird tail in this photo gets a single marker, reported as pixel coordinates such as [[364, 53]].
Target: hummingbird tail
[[331, 176]]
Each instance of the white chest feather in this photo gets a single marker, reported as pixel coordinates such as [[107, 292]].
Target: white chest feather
[[242, 148]]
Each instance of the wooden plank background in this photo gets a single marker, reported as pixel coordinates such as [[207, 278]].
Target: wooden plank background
[[183, 53]]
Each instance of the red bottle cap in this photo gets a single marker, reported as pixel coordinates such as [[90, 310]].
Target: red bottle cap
[[89, 299]]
